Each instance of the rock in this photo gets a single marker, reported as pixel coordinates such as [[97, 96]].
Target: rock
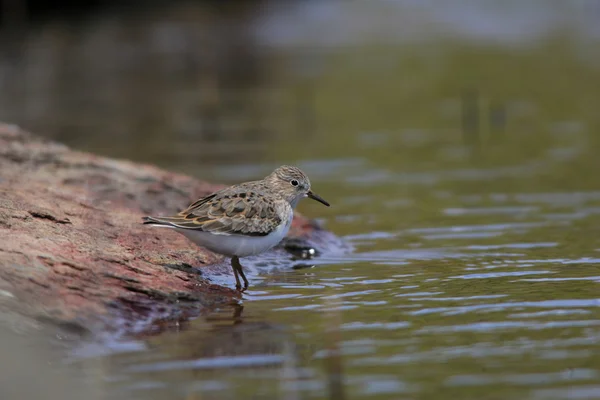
[[73, 250]]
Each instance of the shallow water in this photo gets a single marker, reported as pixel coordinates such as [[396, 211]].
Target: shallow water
[[499, 304], [461, 167]]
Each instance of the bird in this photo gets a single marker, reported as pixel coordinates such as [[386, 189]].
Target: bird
[[244, 219]]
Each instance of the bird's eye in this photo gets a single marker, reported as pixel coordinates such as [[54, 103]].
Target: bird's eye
[[294, 182]]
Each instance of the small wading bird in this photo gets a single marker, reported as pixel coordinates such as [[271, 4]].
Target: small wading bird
[[245, 219]]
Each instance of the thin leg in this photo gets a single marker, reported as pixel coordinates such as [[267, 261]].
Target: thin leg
[[238, 285], [235, 263]]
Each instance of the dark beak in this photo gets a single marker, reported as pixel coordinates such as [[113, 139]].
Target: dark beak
[[317, 198]]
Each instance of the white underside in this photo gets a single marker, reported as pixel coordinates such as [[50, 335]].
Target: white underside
[[235, 245]]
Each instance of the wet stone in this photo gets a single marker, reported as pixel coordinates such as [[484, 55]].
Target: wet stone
[[108, 271]]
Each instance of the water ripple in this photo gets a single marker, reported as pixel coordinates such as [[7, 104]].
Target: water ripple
[[558, 312], [523, 379], [499, 274], [212, 363], [352, 326], [505, 306], [491, 326]]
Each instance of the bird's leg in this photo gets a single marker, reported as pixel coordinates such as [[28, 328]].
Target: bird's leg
[[238, 285], [235, 263]]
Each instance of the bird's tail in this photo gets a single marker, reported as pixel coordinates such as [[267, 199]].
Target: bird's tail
[[159, 221]]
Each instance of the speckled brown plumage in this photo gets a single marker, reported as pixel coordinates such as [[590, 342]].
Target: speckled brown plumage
[[245, 209]]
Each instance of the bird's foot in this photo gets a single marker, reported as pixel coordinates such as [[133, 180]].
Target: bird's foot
[[241, 289]]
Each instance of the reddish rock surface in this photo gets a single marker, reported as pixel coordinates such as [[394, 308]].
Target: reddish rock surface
[[73, 250]]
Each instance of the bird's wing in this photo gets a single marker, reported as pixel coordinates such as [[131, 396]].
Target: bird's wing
[[235, 210]]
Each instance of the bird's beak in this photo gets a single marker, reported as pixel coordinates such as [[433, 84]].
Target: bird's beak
[[317, 198]]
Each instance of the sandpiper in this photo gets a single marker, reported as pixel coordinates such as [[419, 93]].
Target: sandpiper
[[244, 219]]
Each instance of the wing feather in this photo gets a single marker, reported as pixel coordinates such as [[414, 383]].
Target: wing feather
[[240, 209]]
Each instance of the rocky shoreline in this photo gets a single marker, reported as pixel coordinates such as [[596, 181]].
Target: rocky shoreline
[[74, 253]]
